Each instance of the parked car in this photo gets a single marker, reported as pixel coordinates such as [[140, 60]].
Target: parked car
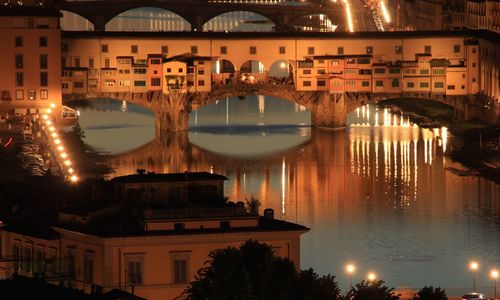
[[473, 296]]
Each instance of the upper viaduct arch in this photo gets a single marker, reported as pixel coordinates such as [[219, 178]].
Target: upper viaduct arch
[[197, 13]]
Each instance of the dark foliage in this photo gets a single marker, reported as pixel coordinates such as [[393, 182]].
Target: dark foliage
[[255, 272]]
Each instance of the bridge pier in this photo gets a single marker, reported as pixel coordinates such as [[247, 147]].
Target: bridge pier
[[329, 111]]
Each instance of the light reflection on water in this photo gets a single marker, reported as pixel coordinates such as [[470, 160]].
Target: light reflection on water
[[376, 195]]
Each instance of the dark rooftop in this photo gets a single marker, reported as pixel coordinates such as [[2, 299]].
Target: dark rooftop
[[34, 230], [342, 56], [466, 33], [121, 225], [170, 177]]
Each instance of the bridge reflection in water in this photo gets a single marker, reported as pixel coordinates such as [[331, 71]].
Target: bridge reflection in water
[[370, 193]]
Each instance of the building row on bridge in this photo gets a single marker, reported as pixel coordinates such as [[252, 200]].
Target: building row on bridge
[[361, 73], [190, 73]]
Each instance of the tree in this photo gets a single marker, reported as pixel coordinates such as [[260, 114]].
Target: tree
[[431, 293], [372, 290], [254, 272], [253, 205]]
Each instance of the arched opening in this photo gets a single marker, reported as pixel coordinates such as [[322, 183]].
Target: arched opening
[[223, 72], [249, 126], [239, 21], [318, 23], [252, 71], [281, 72], [148, 19], [71, 21]]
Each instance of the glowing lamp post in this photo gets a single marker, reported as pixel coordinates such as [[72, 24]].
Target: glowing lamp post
[[494, 276], [371, 277], [473, 266], [350, 268]]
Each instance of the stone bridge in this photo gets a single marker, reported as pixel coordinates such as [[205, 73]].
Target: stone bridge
[[199, 12], [327, 110]]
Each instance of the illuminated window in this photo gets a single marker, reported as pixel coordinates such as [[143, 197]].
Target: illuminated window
[[19, 94], [44, 94], [32, 94]]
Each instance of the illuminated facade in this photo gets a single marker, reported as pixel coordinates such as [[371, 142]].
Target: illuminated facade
[[483, 14], [30, 79], [392, 62], [154, 252], [363, 73]]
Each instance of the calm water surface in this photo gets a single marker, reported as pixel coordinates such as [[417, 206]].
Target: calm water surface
[[375, 195]]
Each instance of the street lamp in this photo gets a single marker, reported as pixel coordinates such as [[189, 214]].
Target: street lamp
[[473, 266], [350, 268], [494, 276], [371, 277]]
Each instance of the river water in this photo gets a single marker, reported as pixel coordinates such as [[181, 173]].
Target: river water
[[375, 194]]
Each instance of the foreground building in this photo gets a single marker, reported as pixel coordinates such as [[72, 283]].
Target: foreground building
[[151, 244]]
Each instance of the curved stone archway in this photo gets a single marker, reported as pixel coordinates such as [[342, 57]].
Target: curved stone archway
[[238, 21], [71, 21], [223, 72], [148, 19], [282, 69]]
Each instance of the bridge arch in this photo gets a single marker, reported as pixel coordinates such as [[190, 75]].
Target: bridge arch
[[148, 18], [223, 71], [71, 21], [281, 69], [253, 71], [241, 20]]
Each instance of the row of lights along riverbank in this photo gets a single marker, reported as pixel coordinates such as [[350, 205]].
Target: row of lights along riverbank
[[58, 148], [350, 269], [474, 266]]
